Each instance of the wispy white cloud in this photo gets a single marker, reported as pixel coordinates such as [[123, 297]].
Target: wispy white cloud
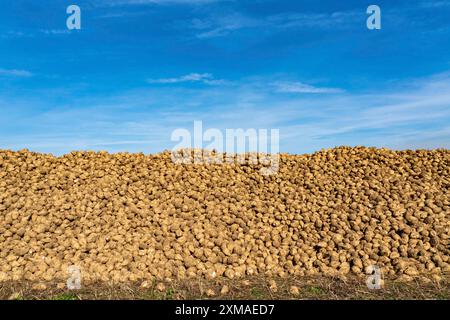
[[225, 24], [33, 33], [122, 14], [206, 78], [299, 87], [12, 34], [435, 4], [55, 31], [222, 25], [192, 77], [337, 19], [411, 114], [157, 2], [15, 73]]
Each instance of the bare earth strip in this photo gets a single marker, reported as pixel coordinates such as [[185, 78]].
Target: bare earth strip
[[251, 288]]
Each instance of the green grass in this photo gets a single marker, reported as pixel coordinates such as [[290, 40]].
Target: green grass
[[17, 297], [316, 290], [257, 293], [65, 296], [443, 296], [169, 294]]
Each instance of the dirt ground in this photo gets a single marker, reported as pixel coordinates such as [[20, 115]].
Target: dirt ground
[[252, 288]]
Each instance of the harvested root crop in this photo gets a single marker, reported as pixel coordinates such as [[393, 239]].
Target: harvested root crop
[[132, 217]]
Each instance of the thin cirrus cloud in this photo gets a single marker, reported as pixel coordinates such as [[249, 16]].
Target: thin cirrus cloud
[[112, 3], [15, 73], [33, 34], [410, 114], [299, 87], [55, 31], [218, 26], [206, 78], [226, 24], [435, 4]]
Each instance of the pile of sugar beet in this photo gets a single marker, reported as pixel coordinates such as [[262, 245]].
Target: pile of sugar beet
[[132, 217]]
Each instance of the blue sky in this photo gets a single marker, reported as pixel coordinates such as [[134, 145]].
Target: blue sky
[[138, 69]]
